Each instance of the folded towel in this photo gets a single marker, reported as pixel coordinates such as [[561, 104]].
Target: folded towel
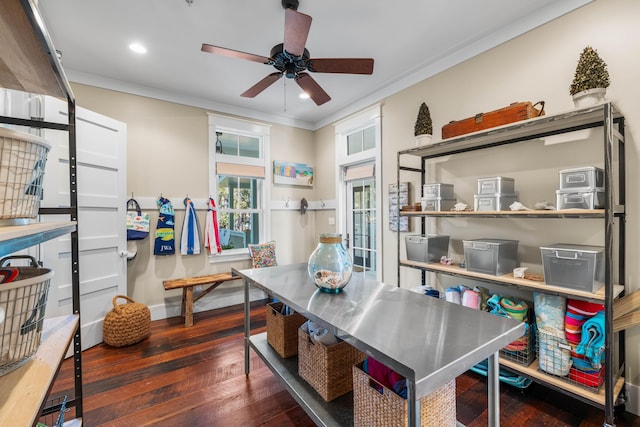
[[453, 295], [471, 299], [577, 313], [592, 342], [385, 376], [322, 336]]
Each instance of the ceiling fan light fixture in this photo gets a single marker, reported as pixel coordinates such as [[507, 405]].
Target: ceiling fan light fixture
[[138, 48], [304, 95]]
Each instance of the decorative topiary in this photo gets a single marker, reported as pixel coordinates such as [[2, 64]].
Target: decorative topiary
[[591, 72], [423, 125]]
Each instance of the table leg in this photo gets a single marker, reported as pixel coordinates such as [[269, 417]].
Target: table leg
[[493, 381], [247, 326], [413, 406], [188, 313]]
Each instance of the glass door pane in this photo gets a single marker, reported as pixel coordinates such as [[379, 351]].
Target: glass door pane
[[361, 224]]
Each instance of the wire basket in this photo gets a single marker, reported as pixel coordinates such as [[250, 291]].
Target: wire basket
[[54, 413], [22, 306], [22, 160]]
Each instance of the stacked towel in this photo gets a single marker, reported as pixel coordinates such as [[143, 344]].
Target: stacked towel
[[577, 313], [553, 356], [318, 334]]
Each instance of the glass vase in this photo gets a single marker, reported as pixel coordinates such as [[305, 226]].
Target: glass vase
[[330, 265]]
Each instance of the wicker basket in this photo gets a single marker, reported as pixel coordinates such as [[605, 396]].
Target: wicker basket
[[22, 161], [282, 330], [371, 408], [327, 368], [22, 306], [126, 324]]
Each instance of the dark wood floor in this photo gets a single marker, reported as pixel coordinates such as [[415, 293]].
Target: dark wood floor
[[195, 377]]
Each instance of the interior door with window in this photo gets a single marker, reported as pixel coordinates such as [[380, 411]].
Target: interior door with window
[[361, 225]]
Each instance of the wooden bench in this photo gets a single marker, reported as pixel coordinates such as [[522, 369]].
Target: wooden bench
[[186, 309]]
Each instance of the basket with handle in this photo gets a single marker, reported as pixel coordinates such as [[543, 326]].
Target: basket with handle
[[127, 323], [22, 160], [23, 299]]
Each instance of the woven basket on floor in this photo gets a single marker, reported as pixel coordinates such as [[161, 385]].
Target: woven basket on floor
[[282, 331], [371, 408], [327, 368], [127, 323]]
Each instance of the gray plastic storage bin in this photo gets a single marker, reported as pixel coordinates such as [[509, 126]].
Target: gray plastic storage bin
[[580, 199], [437, 191], [496, 185], [427, 248], [584, 177], [578, 267], [493, 202], [491, 256]]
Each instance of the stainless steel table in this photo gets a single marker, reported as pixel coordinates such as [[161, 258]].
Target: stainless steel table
[[427, 340]]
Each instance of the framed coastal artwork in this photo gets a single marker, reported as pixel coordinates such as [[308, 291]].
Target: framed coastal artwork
[[292, 173]]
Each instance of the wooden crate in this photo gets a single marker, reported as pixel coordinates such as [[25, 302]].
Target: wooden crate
[[513, 113]]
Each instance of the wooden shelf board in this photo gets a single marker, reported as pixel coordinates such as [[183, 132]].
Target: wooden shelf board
[[24, 391], [17, 237], [508, 279], [532, 371], [563, 213]]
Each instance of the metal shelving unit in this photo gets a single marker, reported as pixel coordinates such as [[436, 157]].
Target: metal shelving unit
[[603, 115], [30, 64]]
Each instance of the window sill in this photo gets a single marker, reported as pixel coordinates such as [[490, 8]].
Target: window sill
[[230, 255]]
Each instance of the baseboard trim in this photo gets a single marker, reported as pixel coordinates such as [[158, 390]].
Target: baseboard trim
[[632, 404]]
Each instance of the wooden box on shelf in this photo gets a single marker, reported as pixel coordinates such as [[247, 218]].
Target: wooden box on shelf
[[282, 330], [327, 368], [377, 405]]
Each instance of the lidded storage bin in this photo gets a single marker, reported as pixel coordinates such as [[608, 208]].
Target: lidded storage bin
[[496, 185], [427, 247], [584, 177], [578, 267], [437, 190], [437, 205], [22, 305], [22, 161], [493, 202], [585, 198], [491, 256]]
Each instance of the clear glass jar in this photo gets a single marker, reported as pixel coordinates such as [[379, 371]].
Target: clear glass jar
[[330, 265]]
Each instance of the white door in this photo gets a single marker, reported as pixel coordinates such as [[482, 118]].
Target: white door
[[361, 224], [101, 183]]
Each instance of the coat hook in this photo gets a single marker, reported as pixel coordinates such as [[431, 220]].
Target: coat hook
[[322, 203], [286, 204]]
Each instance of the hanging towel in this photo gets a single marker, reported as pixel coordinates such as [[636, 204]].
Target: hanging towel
[[190, 238], [211, 231], [165, 233]]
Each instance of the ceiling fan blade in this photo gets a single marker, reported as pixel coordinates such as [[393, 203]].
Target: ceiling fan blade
[[296, 30], [312, 88], [234, 53], [255, 90], [341, 65]]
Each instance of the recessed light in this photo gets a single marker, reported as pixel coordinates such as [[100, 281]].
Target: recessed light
[[304, 95], [138, 48]]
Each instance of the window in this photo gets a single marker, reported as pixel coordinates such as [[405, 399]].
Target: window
[[237, 158]]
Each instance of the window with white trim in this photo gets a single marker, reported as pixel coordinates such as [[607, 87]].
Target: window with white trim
[[238, 182]]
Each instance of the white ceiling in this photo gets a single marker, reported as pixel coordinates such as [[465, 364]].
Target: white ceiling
[[410, 40]]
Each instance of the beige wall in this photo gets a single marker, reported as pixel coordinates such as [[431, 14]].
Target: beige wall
[[167, 152]]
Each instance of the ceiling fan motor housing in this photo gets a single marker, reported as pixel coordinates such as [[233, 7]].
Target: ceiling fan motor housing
[[289, 64], [290, 4]]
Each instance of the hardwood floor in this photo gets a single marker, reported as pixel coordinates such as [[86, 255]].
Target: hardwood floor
[[195, 377]]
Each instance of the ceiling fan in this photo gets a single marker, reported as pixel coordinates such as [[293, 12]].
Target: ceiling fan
[[292, 59]]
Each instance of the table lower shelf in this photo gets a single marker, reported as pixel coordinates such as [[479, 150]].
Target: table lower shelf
[[338, 413]]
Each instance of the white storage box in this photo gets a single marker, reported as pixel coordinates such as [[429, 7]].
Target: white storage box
[[493, 202], [427, 248], [573, 266], [491, 256], [583, 199], [438, 204], [584, 177], [496, 185], [437, 191], [22, 161]]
